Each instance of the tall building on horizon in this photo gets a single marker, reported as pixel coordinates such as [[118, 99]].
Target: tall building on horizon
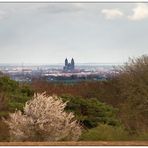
[[69, 66]]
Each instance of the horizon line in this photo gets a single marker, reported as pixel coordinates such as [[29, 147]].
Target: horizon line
[[24, 63]]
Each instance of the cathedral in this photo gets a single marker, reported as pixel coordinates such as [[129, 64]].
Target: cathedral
[[69, 66]]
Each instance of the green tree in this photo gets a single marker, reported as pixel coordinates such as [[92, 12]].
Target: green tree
[[90, 112]]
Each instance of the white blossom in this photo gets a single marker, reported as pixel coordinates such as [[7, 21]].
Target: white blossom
[[43, 119]]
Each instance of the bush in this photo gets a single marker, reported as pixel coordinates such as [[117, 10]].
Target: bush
[[13, 95], [91, 111], [105, 132], [4, 134], [43, 119], [133, 84]]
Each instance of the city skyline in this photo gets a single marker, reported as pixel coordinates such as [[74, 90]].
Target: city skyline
[[88, 32]]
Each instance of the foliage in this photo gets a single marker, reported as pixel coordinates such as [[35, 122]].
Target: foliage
[[133, 83], [13, 95], [4, 132], [43, 119], [91, 111], [105, 91], [105, 132]]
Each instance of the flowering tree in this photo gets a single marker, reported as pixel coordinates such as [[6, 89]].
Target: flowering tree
[[43, 119]]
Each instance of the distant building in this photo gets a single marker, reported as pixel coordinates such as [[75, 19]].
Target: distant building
[[69, 66]]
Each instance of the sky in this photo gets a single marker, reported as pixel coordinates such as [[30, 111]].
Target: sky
[[88, 32]]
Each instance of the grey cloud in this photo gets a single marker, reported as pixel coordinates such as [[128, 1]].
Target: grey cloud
[[61, 8], [8, 10]]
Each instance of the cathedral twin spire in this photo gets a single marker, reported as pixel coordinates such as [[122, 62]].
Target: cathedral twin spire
[[69, 66]]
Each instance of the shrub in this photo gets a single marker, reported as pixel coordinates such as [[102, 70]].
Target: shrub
[[105, 132], [13, 95], [91, 111], [4, 134], [133, 83], [43, 119], [141, 136]]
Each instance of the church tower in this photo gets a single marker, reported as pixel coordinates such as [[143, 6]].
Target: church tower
[[69, 67], [66, 62], [72, 64]]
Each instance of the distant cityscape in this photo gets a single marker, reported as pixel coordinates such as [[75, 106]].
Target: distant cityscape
[[68, 72]]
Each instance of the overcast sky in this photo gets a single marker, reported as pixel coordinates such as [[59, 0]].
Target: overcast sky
[[88, 32]]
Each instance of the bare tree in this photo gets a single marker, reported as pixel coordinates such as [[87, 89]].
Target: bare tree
[[133, 83]]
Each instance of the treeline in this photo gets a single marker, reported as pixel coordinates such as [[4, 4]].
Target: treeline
[[105, 91]]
